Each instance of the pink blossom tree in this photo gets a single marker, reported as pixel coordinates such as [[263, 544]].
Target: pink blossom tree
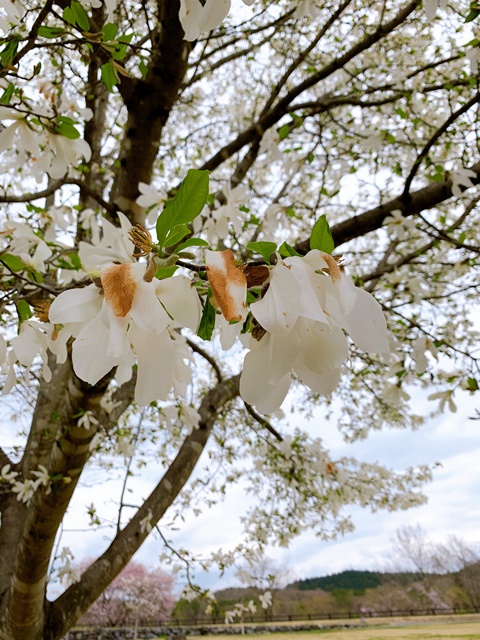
[[137, 594]]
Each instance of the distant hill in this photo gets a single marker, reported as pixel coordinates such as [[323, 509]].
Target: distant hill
[[351, 579]]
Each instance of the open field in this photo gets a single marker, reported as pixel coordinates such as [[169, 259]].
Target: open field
[[404, 629]]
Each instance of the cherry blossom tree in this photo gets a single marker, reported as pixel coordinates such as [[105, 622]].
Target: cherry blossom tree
[[136, 594], [208, 207]]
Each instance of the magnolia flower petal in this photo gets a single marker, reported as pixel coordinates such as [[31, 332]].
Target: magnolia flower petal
[[156, 364], [322, 383], [322, 348], [229, 284], [181, 300], [278, 310], [147, 311], [75, 305], [366, 324], [90, 360], [255, 390]]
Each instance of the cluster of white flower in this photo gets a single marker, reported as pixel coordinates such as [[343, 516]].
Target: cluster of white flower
[[39, 144], [26, 488], [302, 306]]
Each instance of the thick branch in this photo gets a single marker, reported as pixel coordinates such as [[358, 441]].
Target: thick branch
[[255, 131], [78, 598], [421, 200]]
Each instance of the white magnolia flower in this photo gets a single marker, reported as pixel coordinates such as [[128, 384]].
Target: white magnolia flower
[[445, 397], [6, 475], [131, 319], [196, 18], [303, 312], [24, 242], [217, 224], [25, 490], [87, 420], [461, 178], [398, 225], [306, 8], [265, 599], [146, 523]]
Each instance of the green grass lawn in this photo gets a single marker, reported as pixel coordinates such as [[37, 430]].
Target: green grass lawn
[[409, 630]]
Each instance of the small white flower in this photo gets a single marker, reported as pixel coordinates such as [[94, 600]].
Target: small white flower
[[146, 523], [6, 475], [445, 397], [25, 490], [265, 599], [87, 420]]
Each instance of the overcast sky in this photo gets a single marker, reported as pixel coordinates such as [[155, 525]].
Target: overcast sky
[[453, 505]]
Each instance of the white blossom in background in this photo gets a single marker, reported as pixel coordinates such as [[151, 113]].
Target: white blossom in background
[[398, 225], [461, 178], [445, 397], [265, 599], [146, 523], [431, 6], [219, 219]]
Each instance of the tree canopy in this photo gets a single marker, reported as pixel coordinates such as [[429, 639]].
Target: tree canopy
[[205, 208]]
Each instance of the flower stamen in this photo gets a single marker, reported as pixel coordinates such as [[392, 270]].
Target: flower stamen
[[142, 239]]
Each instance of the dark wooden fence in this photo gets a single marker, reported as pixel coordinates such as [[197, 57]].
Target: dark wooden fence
[[262, 617]]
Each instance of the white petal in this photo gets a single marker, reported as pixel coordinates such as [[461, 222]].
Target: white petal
[[156, 364], [76, 305], [147, 311], [180, 300], [90, 360], [366, 324], [278, 310]]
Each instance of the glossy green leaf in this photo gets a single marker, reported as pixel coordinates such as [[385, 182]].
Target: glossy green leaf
[[109, 76], [186, 205], [176, 234], [109, 31], [207, 323], [321, 237], [265, 249], [24, 310], [7, 94], [51, 32], [192, 242], [286, 251], [14, 263]]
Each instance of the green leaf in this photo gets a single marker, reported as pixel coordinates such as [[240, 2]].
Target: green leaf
[[286, 251], [80, 14], [192, 242], [474, 13], [321, 237], [8, 54], [67, 130], [51, 32], [109, 76], [186, 205], [165, 272], [7, 94], [207, 323], [265, 249], [109, 31], [472, 384], [143, 68], [23, 310], [13, 262], [69, 15], [176, 234], [283, 131]]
